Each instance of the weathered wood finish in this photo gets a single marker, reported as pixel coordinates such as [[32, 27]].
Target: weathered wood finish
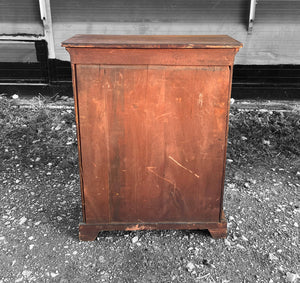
[[165, 57], [152, 134], [152, 41]]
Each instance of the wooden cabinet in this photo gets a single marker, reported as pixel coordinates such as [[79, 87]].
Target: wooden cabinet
[[152, 119]]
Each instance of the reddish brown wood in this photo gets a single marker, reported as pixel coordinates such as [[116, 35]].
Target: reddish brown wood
[[78, 138], [173, 57], [89, 232], [93, 143], [218, 233], [222, 216], [152, 132], [151, 41]]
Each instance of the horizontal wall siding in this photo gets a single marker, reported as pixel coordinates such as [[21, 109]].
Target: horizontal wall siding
[[276, 34], [145, 17], [13, 51], [138, 11], [278, 11], [20, 17], [275, 38]]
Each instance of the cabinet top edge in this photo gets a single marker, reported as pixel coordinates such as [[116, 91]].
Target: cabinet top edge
[[151, 41]]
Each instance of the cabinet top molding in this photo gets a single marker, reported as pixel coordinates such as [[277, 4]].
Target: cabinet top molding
[[152, 41]]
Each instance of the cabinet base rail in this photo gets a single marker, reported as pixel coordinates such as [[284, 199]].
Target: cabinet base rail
[[89, 232]]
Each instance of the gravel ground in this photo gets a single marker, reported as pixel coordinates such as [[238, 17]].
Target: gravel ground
[[41, 208]]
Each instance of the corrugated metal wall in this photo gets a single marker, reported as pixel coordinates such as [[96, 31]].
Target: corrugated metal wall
[[275, 38]]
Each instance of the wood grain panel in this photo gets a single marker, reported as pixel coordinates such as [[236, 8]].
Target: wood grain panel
[[122, 87], [93, 120], [151, 41], [162, 132], [173, 57], [197, 99], [152, 130]]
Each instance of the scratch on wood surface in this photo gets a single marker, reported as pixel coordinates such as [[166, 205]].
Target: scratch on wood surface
[[196, 175], [150, 169], [175, 192], [163, 115], [200, 99], [136, 227]]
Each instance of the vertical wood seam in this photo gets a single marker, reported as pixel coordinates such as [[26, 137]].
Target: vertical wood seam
[[109, 199], [225, 143], [75, 88]]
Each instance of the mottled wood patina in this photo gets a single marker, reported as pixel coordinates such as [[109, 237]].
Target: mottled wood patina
[[152, 122]]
